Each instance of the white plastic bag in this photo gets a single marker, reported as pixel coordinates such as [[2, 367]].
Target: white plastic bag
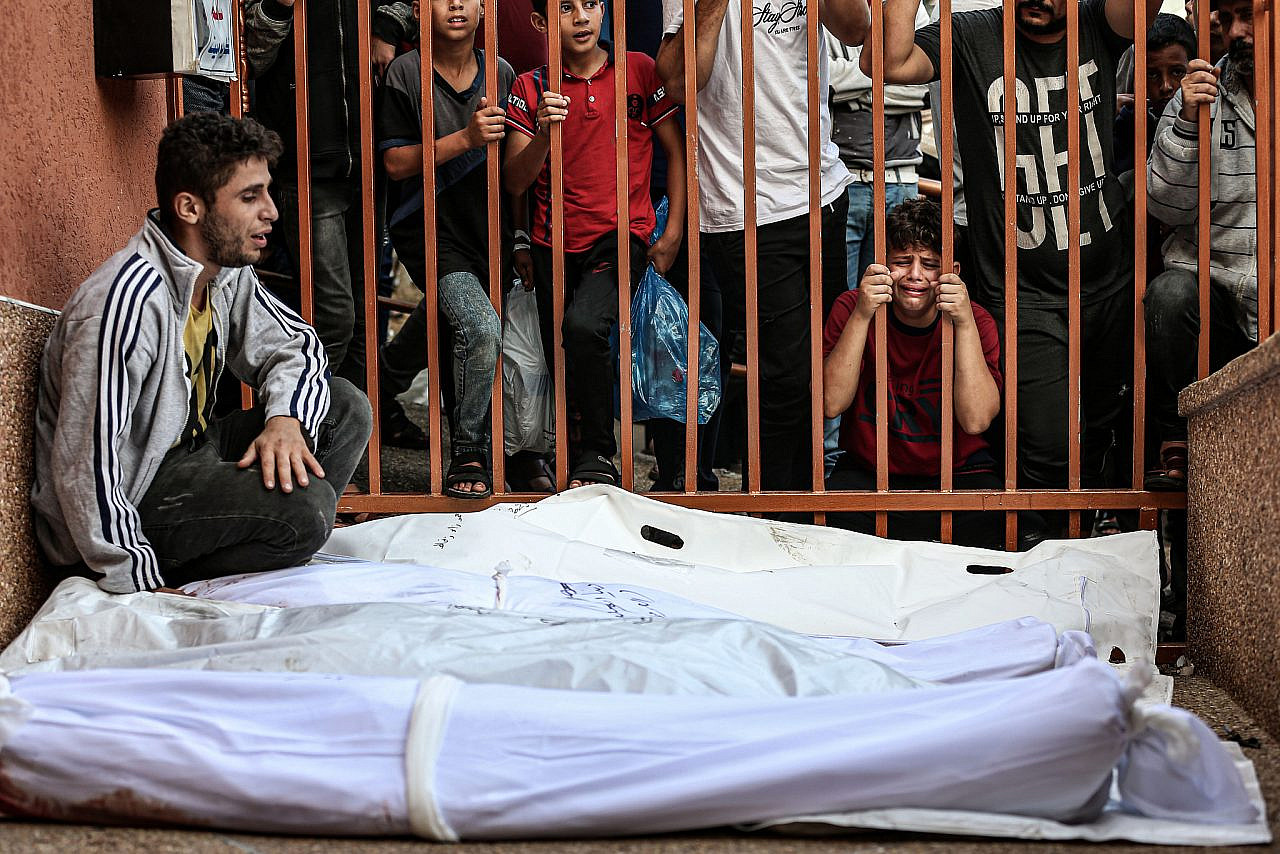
[[528, 401]]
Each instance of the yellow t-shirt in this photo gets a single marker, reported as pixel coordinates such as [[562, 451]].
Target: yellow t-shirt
[[197, 341]]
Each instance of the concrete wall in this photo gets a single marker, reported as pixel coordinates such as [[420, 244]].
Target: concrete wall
[[1233, 529], [76, 154]]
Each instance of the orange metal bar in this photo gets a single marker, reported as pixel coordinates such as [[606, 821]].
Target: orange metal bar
[[1202, 205], [493, 155], [173, 97], [1139, 239], [369, 239], [749, 243], [435, 447], [815, 255], [302, 106], [1010, 268], [555, 70], [877, 212], [812, 502], [623, 193], [1264, 111], [693, 242], [947, 456], [1073, 257]]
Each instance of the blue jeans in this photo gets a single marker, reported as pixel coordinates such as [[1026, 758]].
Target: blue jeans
[[477, 339], [860, 253], [858, 229]]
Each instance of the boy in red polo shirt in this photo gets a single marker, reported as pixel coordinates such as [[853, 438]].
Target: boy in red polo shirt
[[584, 102], [916, 293]]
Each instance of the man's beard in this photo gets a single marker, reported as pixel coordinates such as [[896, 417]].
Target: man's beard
[[224, 245], [1053, 27], [1240, 58]]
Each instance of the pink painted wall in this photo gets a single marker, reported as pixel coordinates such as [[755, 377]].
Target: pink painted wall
[[77, 155]]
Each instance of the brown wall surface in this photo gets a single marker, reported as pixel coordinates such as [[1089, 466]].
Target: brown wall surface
[[76, 154]]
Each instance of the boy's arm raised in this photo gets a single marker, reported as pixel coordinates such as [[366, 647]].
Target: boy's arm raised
[[487, 125], [977, 397], [842, 367], [525, 154]]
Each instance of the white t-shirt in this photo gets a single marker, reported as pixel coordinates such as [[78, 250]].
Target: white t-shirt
[[782, 149]]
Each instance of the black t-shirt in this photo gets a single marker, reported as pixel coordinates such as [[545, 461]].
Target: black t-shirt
[[978, 98], [462, 200]]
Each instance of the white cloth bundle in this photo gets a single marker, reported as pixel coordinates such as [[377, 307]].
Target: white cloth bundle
[[806, 578], [340, 754]]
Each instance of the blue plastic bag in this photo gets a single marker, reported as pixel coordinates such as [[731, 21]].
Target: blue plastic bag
[[659, 354]]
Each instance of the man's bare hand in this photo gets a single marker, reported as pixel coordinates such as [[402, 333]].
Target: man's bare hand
[[383, 53], [283, 454], [1199, 86], [488, 124], [875, 290]]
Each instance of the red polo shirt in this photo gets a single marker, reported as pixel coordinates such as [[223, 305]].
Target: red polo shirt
[[915, 395], [590, 199]]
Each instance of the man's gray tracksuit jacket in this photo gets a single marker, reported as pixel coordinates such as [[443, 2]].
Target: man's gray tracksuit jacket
[[1173, 182], [114, 395]]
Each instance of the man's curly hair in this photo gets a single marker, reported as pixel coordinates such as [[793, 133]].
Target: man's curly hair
[[915, 222], [199, 153]]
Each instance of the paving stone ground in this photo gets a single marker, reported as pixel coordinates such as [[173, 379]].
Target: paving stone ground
[[1193, 692]]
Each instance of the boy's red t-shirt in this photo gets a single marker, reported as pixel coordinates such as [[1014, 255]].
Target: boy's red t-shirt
[[915, 395], [590, 178]]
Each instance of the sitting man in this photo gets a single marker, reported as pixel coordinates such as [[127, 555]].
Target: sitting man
[[916, 293], [135, 478]]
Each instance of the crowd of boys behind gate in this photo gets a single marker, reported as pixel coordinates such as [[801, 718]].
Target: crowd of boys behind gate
[[907, 283]]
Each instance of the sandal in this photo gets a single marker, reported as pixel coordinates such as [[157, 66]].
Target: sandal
[[1171, 474], [469, 467], [1106, 524], [595, 468], [530, 472]]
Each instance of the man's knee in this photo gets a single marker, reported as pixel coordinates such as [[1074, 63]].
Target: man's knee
[[305, 521], [585, 331], [1172, 296], [484, 336]]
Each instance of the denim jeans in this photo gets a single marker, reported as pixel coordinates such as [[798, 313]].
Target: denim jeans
[[333, 266], [477, 340], [859, 243], [859, 230], [205, 517]]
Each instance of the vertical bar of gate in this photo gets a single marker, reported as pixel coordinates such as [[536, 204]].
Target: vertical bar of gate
[[812, 59], [239, 91], [1139, 237], [1010, 268], [435, 447], [493, 187], [238, 100], [945, 117], [1263, 112], [693, 243], [749, 244], [302, 111], [555, 70], [623, 193], [173, 97], [1202, 204], [1073, 258], [877, 214], [369, 238]]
